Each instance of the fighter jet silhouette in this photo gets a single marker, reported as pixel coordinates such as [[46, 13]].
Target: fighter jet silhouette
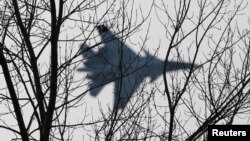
[[116, 62]]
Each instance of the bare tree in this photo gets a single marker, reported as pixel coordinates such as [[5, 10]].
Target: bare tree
[[39, 56], [43, 95], [218, 92]]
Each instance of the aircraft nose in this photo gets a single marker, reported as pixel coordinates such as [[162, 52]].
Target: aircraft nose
[[102, 28]]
